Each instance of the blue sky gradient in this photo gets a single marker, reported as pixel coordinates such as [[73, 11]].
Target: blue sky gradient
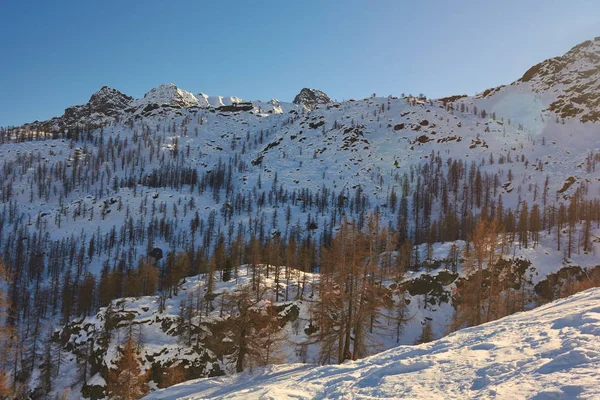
[[56, 54]]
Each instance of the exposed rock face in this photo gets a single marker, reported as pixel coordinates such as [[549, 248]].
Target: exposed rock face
[[109, 101], [104, 107], [108, 105], [105, 104], [235, 107], [311, 98]]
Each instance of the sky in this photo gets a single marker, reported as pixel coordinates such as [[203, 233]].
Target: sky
[[54, 54]]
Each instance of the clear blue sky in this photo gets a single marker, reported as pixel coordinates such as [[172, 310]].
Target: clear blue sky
[[54, 54]]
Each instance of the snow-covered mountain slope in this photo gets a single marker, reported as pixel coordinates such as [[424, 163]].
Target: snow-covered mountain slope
[[568, 86], [268, 168], [548, 353], [368, 148], [117, 180]]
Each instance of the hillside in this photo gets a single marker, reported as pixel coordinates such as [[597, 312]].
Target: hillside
[[148, 212], [193, 336], [567, 85], [547, 353]]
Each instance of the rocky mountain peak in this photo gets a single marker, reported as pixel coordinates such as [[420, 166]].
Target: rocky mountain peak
[[170, 95], [109, 101], [310, 98], [102, 108], [583, 59]]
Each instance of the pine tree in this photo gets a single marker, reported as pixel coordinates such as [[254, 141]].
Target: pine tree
[[255, 331], [350, 293], [126, 381], [475, 298], [5, 391], [64, 395], [47, 367], [524, 225], [5, 337], [173, 375]]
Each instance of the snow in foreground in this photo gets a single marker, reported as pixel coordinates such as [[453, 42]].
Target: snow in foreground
[[552, 352]]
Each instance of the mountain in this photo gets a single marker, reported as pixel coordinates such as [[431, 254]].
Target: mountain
[[568, 86], [104, 107], [547, 353], [311, 98], [108, 101], [217, 101], [120, 198], [167, 95], [108, 106]]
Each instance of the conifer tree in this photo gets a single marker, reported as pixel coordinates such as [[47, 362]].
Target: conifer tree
[[255, 331], [475, 298], [5, 391], [5, 334], [127, 381]]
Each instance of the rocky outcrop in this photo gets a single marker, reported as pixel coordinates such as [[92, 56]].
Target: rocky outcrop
[[311, 98], [104, 107]]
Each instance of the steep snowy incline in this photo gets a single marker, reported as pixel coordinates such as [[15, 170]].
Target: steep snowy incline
[[548, 353], [568, 86]]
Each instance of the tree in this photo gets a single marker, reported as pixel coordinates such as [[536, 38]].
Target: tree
[[5, 391], [256, 330], [127, 381], [65, 394], [476, 296], [173, 375], [47, 366], [535, 224], [148, 276], [87, 294], [350, 293], [5, 337], [453, 256], [524, 225]]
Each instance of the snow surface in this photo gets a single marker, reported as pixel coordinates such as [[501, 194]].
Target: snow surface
[[168, 94], [547, 353]]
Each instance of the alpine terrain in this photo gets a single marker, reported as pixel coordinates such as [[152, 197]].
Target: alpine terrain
[[367, 244]]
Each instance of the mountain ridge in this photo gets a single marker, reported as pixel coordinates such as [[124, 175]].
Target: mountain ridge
[[576, 72]]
